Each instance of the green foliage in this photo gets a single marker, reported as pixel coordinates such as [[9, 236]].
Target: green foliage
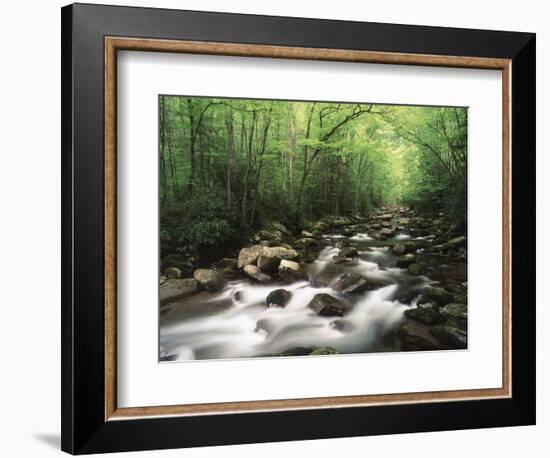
[[229, 167], [203, 223]]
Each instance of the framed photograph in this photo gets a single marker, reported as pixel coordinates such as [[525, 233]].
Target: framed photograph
[[281, 228]]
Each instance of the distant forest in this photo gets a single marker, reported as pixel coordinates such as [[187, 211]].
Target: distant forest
[[229, 167]]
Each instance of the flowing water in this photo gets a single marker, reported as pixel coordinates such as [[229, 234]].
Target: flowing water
[[236, 322]]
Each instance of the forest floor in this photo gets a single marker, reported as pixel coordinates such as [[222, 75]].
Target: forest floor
[[390, 281]]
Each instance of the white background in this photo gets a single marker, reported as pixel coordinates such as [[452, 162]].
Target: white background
[[142, 76], [30, 229]]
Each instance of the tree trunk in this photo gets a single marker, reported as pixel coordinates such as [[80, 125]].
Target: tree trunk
[[246, 184], [230, 153], [191, 180], [267, 122]]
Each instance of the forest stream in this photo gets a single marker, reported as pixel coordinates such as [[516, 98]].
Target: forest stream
[[373, 284]]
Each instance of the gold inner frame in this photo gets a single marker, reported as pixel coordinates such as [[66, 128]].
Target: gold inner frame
[[114, 44]]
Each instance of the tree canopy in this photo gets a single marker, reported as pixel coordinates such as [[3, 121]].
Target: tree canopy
[[230, 166]]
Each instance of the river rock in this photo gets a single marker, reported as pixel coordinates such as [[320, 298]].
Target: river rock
[[163, 279], [318, 226], [249, 255], [416, 336], [345, 253], [457, 242], [268, 235], [291, 271], [386, 232], [264, 325], [278, 298], [416, 269], [317, 234], [305, 242], [449, 335], [424, 313], [351, 283], [306, 234], [326, 305], [175, 289], [456, 315], [172, 272], [405, 261], [255, 273], [398, 249], [296, 351], [324, 351], [270, 257], [209, 279], [341, 325], [436, 295], [277, 226]]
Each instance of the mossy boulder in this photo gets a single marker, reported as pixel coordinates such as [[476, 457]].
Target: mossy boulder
[[209, 279], [278, 298], [324, 351], [426, 314], [327, 305], [456, 315], [439, 296]]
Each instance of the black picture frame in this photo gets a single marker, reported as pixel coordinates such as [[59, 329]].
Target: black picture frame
[[84, 428]]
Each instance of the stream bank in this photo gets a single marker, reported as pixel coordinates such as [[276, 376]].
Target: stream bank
[[391, 281]]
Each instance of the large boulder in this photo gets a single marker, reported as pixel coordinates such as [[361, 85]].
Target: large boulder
[[416, 336], [268, 235], [172, 272], [438, 296], [278, 298], [270, 257], [319, 226], [456, 315], [351, 283], [451, 336], [296, 351], [342, 325], [279, 227], [386, 232], [405, 261], [305, 242], [398, 249], [249, 255], [291, 271], [345, 253], [176, 289], [426, 314], [324, 351], [255, 273], [326, 305], [457, 242], [210, 280]]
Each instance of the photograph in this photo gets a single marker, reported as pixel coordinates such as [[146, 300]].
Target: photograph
[[310, 228]]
